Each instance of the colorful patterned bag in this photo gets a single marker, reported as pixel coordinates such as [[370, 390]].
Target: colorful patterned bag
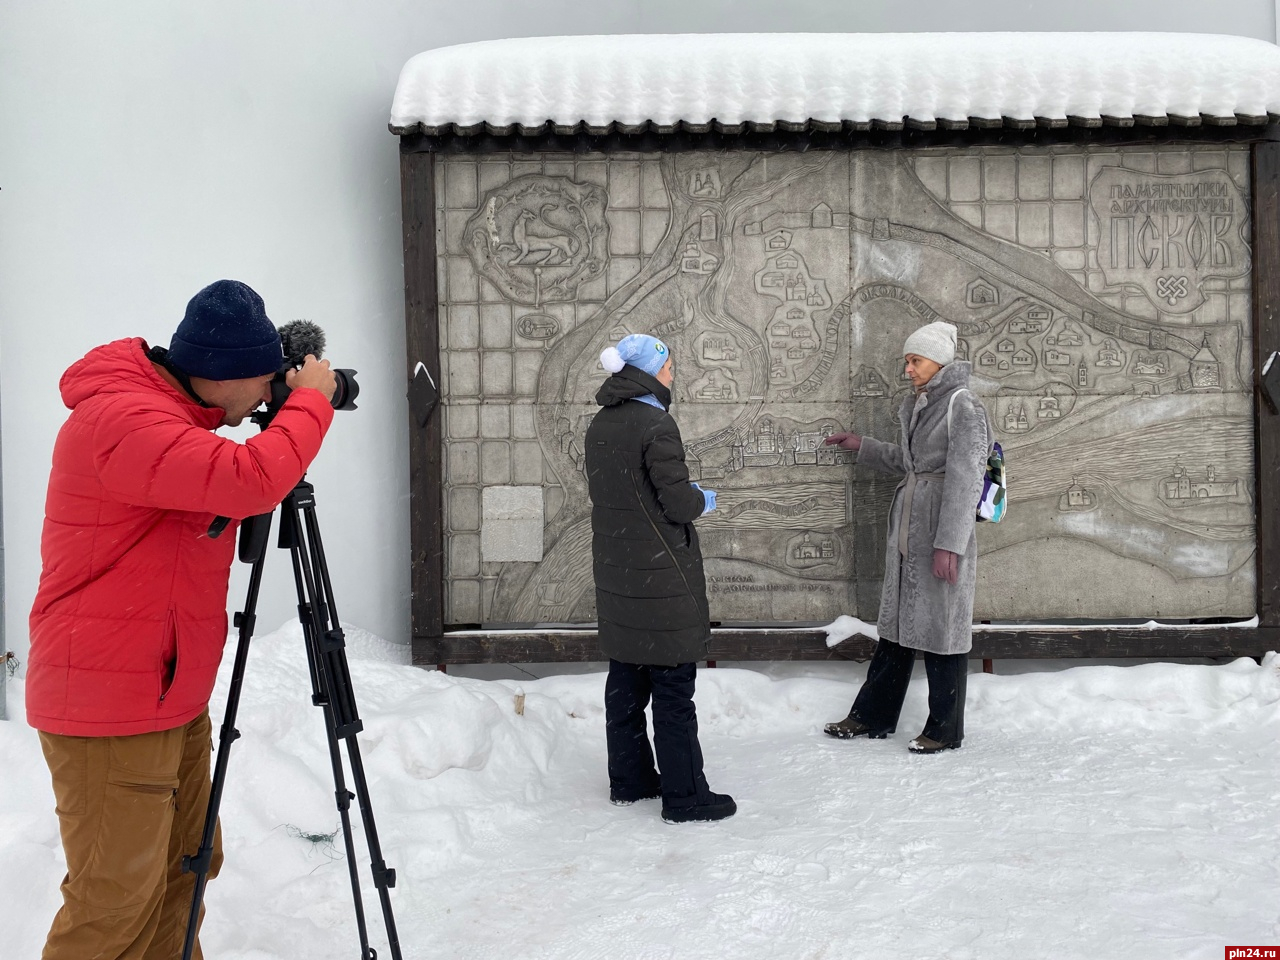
[[992, 502]]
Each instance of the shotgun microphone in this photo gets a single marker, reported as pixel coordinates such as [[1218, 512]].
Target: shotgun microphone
[[299, 338]]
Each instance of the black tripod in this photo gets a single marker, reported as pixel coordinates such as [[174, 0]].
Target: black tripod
[[331, 690]]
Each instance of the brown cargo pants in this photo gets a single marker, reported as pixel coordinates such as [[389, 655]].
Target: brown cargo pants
[[128, 809]]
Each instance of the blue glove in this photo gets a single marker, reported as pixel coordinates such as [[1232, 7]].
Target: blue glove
[[708, 496]]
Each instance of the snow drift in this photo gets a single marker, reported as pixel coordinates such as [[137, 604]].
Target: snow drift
[[1108, 811]]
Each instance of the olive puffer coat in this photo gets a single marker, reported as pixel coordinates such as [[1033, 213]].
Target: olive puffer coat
[[651, 593], [917, 609], [130, 618]]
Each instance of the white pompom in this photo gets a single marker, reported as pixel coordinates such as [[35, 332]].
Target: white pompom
[[611, 359]]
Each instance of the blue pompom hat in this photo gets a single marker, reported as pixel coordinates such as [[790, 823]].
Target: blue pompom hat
[[226, 335], [638, 349]]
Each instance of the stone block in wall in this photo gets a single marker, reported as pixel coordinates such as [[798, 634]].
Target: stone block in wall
[[511, 529]]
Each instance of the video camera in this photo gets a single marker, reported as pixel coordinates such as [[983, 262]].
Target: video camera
[[298, 338]]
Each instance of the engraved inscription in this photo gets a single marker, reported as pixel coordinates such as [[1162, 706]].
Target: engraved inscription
[[1150, 225]]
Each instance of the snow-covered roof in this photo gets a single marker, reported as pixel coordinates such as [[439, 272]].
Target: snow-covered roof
[[836, 81]]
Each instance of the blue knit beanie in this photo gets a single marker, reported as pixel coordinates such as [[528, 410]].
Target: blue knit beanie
[[638, 349], [226, 335]]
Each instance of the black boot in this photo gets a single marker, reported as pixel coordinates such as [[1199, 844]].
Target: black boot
[[923, 744], [685, 794], [851, 727], [624, 798], [711, 806]]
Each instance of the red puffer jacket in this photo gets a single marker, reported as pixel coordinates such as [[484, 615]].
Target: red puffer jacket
[[131, 614]]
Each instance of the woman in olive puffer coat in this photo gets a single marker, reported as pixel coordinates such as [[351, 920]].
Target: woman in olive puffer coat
[[651, 594]]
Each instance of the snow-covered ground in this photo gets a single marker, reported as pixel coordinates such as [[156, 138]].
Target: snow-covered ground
[[1094, 812]]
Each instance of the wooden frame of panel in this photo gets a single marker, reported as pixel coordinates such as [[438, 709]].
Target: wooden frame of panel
[[435, 644]]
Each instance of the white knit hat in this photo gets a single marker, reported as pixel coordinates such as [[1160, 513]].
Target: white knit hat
[[934, 341]]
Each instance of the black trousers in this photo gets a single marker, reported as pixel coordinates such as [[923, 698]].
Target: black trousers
[[879, 702], [632, 773]]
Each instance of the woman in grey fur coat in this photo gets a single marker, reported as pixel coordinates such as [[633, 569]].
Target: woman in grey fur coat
[[932, 555]]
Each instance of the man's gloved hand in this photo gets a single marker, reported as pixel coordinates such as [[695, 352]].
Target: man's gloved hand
[[946, 565], [708, 497], [850, 441]]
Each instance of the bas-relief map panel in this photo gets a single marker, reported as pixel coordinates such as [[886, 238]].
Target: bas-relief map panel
[[1102, 296]]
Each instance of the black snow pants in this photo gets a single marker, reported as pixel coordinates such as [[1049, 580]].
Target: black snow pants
[[632, 773]]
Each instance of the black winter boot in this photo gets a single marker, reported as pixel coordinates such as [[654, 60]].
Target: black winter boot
[[624, 798], [923, 744], [712, 806], [851, 727]]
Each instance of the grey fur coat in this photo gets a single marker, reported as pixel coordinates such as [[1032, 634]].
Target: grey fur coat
[[917, 609]]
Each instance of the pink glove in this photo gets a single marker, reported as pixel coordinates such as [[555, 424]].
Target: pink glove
[[946, 565], [850, 441]]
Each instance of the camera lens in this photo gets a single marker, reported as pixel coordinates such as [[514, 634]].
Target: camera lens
[[344, 397]]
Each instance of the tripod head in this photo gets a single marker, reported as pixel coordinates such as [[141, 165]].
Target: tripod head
[[254, 531]]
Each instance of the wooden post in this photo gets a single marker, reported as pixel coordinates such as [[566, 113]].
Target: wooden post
[[426, 443], [988, 665], [1266, 338]]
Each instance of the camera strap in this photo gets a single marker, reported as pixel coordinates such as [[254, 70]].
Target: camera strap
[[160, 355]]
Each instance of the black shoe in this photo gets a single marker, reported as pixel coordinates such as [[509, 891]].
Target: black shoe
[[923, 744], [625, 798], [850, 727], [715, 806]]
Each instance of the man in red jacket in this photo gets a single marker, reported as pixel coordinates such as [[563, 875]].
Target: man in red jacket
[[130, 617]]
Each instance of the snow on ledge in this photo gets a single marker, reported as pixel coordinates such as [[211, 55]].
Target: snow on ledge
[[844, 627], [639, 82]]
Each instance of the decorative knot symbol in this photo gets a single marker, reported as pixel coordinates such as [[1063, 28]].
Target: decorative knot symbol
[[1172, 289]]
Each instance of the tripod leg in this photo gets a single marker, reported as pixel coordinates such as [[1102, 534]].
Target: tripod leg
[[343, 695], [200, 862], [333, 695]]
